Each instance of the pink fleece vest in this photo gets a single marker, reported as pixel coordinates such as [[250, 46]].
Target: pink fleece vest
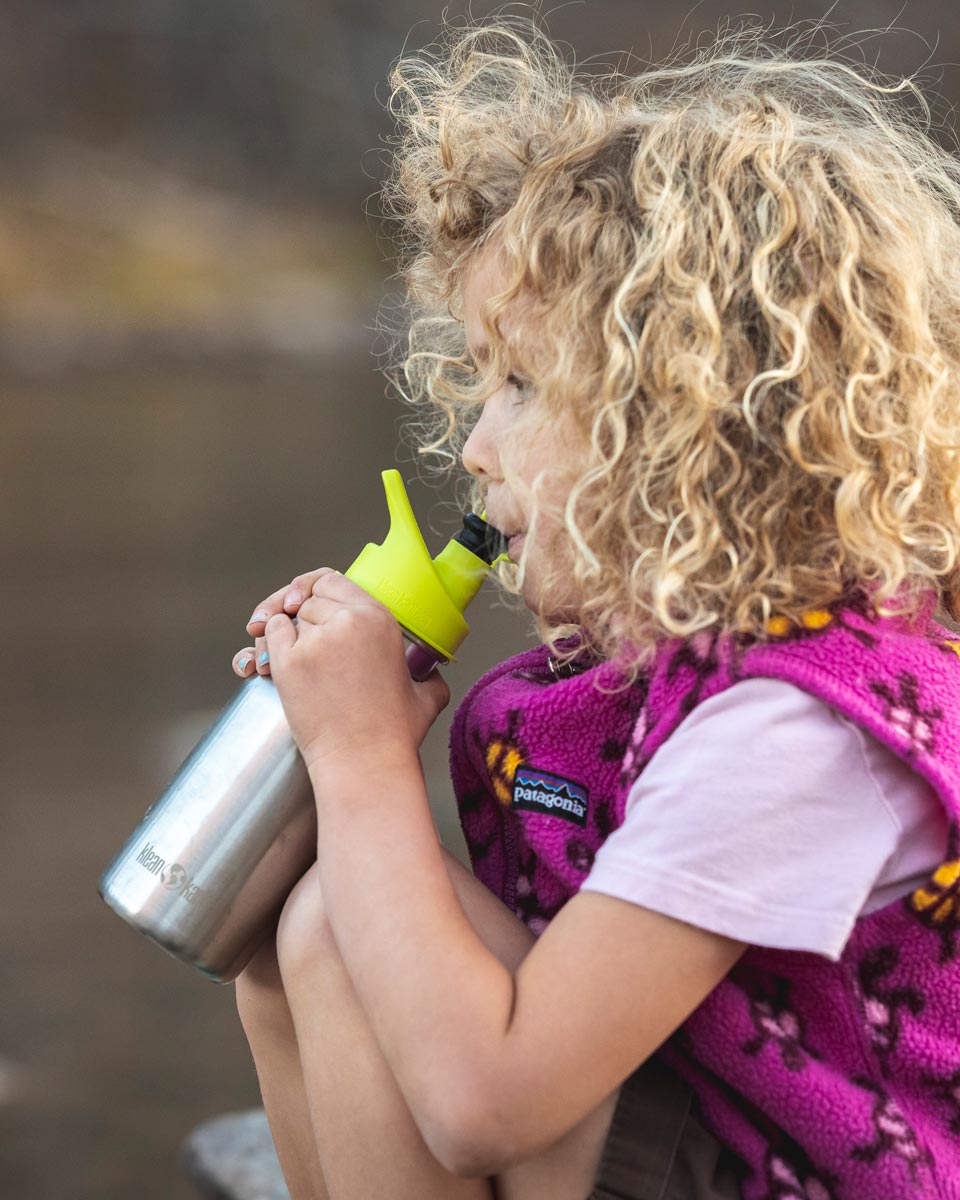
[[831, 1081]]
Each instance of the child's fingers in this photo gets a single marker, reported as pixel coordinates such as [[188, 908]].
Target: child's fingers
[[437, 690], [266, 608], [244, 662], [262, 656], [281, 634], [286, 599]]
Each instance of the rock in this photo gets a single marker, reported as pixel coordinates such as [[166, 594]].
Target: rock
[[232, 1158]]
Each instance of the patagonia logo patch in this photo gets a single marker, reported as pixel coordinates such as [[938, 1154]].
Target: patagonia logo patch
[[540, 791]]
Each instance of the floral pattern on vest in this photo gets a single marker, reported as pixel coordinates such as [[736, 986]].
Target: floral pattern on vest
[[829, 1080]]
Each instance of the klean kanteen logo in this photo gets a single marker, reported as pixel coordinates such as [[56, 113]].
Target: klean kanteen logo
[[540, 791], [173, 876]]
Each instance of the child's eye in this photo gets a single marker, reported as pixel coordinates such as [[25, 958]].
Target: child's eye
[[523, 386]]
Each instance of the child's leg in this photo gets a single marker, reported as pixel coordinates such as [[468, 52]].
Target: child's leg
[[368, 1142], [373, 1147], [268, 1026]]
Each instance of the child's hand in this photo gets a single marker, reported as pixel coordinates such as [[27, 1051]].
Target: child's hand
[[254, 659], [342, 673]]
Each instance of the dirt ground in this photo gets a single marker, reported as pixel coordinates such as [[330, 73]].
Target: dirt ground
[[144, 514]]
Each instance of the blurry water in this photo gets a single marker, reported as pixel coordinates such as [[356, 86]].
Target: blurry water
[[143, 515]]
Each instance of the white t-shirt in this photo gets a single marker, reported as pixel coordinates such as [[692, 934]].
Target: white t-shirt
[[768, 817]]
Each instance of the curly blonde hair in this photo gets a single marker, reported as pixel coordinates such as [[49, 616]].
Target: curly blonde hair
[[743, 272]]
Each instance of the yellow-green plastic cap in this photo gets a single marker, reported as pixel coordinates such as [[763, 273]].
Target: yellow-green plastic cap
[[426, 596], [502, 557]]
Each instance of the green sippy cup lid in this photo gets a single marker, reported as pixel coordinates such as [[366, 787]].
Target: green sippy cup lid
[[427, 596]]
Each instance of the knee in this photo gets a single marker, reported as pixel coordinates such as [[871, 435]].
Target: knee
[[259, 990], [303, 933]]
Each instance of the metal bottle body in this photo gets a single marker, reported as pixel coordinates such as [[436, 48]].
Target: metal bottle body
[[208, 869]]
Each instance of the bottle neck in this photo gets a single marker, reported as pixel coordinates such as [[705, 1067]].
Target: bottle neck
[[421, 658]]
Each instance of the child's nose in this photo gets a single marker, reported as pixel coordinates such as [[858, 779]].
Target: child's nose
[[479, 454]]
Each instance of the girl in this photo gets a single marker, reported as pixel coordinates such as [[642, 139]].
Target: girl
[[695, 335]]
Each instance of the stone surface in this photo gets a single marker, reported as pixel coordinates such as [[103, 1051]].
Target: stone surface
[[232, 1158]]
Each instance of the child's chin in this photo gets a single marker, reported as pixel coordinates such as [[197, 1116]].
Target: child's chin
[[553, 613]]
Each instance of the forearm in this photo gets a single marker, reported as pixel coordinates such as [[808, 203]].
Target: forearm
[[438, 1000]]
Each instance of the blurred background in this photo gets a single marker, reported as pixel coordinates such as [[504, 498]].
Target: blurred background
[[190, 271]]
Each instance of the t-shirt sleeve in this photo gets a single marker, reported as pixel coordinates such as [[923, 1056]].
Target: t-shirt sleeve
[[758, 819]]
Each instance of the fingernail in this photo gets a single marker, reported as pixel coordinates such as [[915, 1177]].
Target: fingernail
[[294, 596], [264, 658], [257, 616], [242, 664]]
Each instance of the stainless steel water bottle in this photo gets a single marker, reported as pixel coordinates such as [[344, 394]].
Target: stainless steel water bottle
[[206, 872]]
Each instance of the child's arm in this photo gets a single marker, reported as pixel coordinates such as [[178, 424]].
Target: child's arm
[[493, 1066]]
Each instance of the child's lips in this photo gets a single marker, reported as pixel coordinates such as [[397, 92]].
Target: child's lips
[[513, 543]]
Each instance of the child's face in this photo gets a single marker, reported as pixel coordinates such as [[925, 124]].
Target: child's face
[[509, 504]]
